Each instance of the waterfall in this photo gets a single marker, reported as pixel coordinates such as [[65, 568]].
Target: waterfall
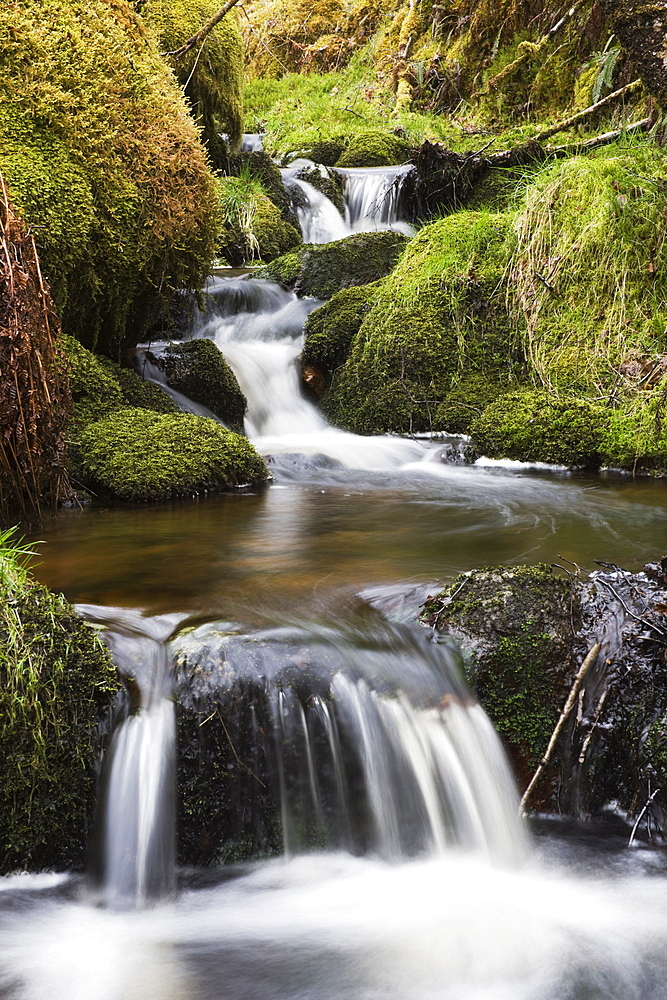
[[373, 744], [136, 835], [373, 202]]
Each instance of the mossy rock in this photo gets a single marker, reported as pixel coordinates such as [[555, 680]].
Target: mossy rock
[[328, 182], [533, 426], [100, 386], [213, 80], [468, 397], [197, 369], [321, 270], [259, 165], [441, 312], [374, 149], [636, 432], [252, 226], [136, 455], [330, 330], [56, 685], [325, 151], [515, 627], [119, 196]]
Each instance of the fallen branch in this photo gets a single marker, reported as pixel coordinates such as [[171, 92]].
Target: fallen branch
[[203, 32], [586, 113], [569, 704]]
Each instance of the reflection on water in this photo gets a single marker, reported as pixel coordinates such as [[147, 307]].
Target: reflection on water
[[338, 528]]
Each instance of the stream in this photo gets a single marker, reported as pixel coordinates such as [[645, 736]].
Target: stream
[[425, 884]]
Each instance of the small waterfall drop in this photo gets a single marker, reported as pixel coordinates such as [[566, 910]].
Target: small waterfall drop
[[135, 863]]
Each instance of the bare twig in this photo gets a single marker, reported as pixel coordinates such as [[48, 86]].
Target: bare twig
[[573, 120], [203, 32], [639, 818], [590, 659]]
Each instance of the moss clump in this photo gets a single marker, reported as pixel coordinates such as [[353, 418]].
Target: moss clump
[[198, 370], [442, 312], [104, 164], [321, 270], [100, 386], [56, 682], [513, 623], [212, 79], [135, 455], [330, 330], [258, 166], [468, 397], [251, 225], [636, 433], [590, 269], [534, 426], [374, 149], [326, 151], [328, 182]]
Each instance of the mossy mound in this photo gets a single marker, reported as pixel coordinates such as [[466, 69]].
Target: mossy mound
[[590, 270], [198, 370], [100, 386], [213, 77], [469, 395], [56, 683], [636, 432], [258, 166], [374, 149], [252, 226], [533, 426], [326, 151], [330, 330], [136, 455], [321, 270], [515, 626], [104, 164], [440, 313]]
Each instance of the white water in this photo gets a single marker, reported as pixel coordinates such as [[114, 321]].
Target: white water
[[372, 202]]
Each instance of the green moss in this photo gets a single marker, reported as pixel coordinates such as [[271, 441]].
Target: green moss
[[636, 432], [198, 370], [321, 270], [374, 149], [468, 397], [258, 166], [56, 681], [441, 313], [135, 455], [590, 269], [100, 386], [329, 330], [328, 182], [274, 236], [251, 226], [534, 426], [513, 623], [212, 78], [103, 163]]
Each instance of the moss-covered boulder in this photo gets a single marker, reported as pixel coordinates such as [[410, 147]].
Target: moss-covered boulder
[[635, 436], [258, 166], [212, 78], [104, 164], [374, 149], [198, 370], [56, 684], [251, 225], [100, 386], [328, 182], [323, 269], [330, 330], [535, 426], [590, 272], [515, 627], [136, 455], [440, 314]]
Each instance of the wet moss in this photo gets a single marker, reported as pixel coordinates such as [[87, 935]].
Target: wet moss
[[442, 312], [468, 397], [330, 330], [636, 432], [56, 683], [374, 149], [258, 166], [136, 455], [328, 182], [534, 426], [119, 194], [251, 226], [321, 270], [213, 78], [513, 623], [197, 369], [100, 386]]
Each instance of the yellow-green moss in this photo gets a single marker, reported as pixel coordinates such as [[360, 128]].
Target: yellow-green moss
[[440, 313], [212, 77], [374, 149], [56, 681], [136, 455], [252, 227], [104, 163]]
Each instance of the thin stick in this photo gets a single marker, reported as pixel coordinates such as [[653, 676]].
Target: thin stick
[[569, 704], [203, 32], [581, 115], [639, 818]]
